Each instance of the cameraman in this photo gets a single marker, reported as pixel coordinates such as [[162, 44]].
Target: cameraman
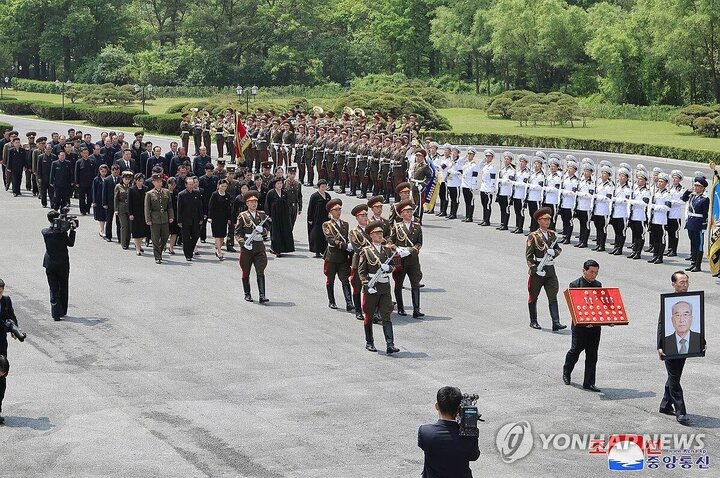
[[447, 454], [57, 262], [6, 313]]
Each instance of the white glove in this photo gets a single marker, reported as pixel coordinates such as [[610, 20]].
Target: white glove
[[349, 247], [551, 252], [403, 251], [259, 229], [371, 290], [385, 267], [248, 245]]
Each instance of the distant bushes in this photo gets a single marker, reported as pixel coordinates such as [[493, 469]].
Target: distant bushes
[[704, 120], [102, 116]]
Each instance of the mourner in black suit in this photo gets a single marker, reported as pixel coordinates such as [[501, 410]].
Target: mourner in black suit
[[6, 313], [57, 264], [189, 217], [673, 401], [447, 454], [108, 202], [584, 337]]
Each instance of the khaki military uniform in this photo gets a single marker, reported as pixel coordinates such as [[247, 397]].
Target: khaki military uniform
[[159, 212]]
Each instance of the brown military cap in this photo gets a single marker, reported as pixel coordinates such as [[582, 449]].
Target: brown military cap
[[41, 139], [373, 227], [421, 151], [157, 177], [375, 199], [267, 164], [402, 205], [359, 208], [332, 203], [31, 133], [543, 211], [250, 195], [402, 187]]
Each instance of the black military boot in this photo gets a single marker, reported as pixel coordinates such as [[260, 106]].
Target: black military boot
[[399, 302], [659, 253], [348, 298], [246, 289], [389, 338], [416, 304], [261, 289], [369, 342], [697, 262], [331, 296], [620, 246], [555, 316], [532, 308], [358, 307]]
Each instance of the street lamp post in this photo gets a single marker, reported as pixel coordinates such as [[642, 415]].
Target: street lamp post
[[248, 91], [3, 85], [139, 89], [63, 88]]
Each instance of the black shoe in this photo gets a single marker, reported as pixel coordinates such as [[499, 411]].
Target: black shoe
[[262, 300], [667, 411], [671, 254], [566, 379], [108, 240], [484, 223], [197, 253], [417, 314], [402, 312], [391, 349], [582, 245], [452, 216], [442, 214], [601, 249], [332, 305], [592, 388], [358, 315], [501, 228], [534, 324], [370, 347], [317, 255], [2, 421], [695, 269], [57, 319], [688, 258], [618, 252], [248, 298], [158, 261], [596, 248], [652, 261], [566, 241], [189, 259], [230, 249], [683, 420], [558, 326]]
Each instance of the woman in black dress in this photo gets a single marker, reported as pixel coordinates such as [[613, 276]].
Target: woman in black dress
[[316, 216], [278, 208], [99, 212], [219, 216], [174, 228], [136, 211]]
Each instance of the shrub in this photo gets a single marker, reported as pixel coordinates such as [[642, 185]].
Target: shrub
[[165, 124], [690, 115], [117, 116], [393, 103], [38, 86], [17, 107], [527, 141], [53, 111], [5, 126], [525, 106]]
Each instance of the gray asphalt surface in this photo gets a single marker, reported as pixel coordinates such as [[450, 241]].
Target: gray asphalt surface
[[163, 370]]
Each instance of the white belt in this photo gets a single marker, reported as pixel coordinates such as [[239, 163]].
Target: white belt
[[694, 214]]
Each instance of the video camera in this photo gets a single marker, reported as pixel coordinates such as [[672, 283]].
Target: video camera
[[65, 221], [14, 330], [468, 416]]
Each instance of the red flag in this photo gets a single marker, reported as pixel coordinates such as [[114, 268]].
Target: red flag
[[242, 140]]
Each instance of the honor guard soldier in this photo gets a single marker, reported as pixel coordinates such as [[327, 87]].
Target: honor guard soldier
[[568, 198], [293, 188], [375, 204], [488, 186], [158, 215], [376, 259], [407, 237], [520, 189], [470, 172], [337, 254], [638, 213], [506, 177], [454, 180], [359, 240], [677, 209], [536, 185], [249, 231], [697, 215], [604, 194], [619, 210], [403, 192], [659, 208], [583, 206], [539, 243], [551, 191]]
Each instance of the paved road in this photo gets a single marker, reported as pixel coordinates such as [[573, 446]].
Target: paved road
[[166, 371]]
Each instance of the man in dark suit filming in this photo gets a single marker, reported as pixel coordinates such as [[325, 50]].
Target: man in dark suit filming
[[447, 454]]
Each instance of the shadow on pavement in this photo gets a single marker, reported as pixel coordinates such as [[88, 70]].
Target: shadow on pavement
[[41, 423], [702, 421], [279, 304], [90, 321], [400, 320], [557, 332], [623, 393], [404, 354]]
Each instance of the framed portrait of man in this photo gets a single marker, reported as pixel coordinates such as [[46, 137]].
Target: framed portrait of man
[[682, 317]]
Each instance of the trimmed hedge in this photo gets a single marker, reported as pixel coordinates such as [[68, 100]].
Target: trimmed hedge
[[164, 124], [5, 126], [39, 86], [659, 151], [109, 116]]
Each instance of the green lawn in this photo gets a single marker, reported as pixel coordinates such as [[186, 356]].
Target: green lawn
[[156, 106], [465, 120]]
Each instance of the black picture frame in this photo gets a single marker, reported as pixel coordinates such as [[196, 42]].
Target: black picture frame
[[695, 330]]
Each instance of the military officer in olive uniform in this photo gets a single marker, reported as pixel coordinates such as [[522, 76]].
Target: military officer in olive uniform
[[294, 192], [249, 233], [373, 258], [407, 236], [359, 240], [158, 215], [539, 242], [337, 254]]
